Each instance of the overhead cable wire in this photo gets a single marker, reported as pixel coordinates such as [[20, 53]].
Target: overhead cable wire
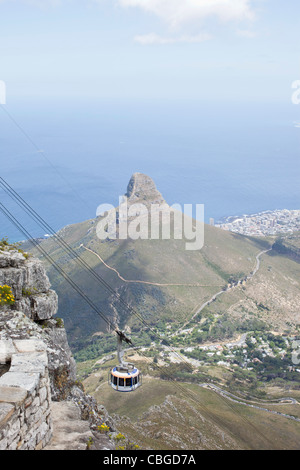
[[66, 246], [90, 270], [22, 229], [50, 259], [37, 148], [33, 214]]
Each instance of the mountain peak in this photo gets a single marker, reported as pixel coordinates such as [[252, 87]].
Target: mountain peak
[[141, 188]]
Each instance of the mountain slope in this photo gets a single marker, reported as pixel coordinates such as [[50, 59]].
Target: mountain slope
[[167, 282]]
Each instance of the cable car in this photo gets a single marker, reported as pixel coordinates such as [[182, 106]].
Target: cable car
[[125, 377]]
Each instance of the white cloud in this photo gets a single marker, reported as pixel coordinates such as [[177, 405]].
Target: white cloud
[[245, 33], [153, 38], [178, 13], [186, 19]]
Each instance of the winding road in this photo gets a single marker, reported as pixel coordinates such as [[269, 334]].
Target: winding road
[[198, 310], [235, 399], [213, 298]]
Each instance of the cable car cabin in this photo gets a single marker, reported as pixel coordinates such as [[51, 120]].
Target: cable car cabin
[[125, 377], [125, 380]]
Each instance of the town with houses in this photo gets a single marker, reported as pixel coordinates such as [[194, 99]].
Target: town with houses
[[249, 352], [265, 223]]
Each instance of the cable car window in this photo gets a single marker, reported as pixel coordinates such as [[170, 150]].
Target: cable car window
[[130, 378]]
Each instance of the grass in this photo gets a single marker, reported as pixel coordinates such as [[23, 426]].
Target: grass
[[149, 418], [272, 296], [163, 261], [133, 405], [164, 415]]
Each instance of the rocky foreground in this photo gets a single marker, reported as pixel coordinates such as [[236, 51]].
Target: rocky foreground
[[76, 416]]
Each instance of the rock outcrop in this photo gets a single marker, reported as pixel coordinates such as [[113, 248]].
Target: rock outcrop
[[29, 322], [32, 314], [29, 283], [141, 188]]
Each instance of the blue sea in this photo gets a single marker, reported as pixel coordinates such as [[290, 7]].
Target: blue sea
[[67, 157]]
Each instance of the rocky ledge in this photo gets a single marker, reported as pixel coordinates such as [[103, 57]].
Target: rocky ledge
[[29, 283], [30, 317], [141, 188]]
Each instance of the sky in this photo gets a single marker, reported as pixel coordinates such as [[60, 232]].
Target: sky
[[215, 50], [195, 93]]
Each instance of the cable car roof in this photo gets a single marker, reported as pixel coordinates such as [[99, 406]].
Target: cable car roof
[[132, 373]]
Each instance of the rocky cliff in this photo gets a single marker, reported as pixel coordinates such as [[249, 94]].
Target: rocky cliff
[[27, 320], [32, 314], [141, 188]]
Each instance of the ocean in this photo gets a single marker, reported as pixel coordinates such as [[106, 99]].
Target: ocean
[[235, 158]]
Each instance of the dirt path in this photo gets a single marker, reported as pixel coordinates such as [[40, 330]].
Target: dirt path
[[138, 281]]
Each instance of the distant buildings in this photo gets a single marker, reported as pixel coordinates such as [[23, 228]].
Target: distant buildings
[[264, 223]]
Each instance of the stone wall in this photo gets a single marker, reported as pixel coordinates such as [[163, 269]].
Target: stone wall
[[25, 396], [38, 370], [34, 349]]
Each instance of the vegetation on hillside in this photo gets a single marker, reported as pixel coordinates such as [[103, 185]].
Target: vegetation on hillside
[[5, 245]]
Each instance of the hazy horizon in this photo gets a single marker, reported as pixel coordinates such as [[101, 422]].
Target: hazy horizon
[[196, 95]]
